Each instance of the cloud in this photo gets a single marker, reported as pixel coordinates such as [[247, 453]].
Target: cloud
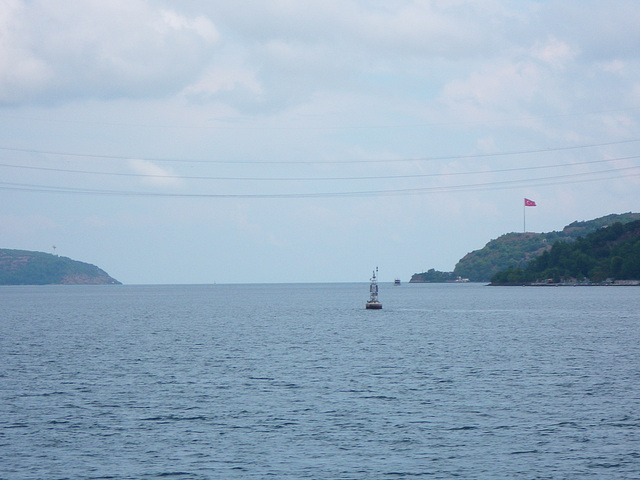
[[613, 66], [497, 87], [170, 21], [602, 29], [281, 54], [554, 52], [155, 175], [434, 28], [52, 51], [224, 80], [21, 71], [400, 26]]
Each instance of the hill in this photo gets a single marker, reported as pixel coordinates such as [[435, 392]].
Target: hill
[[518, 249], [22, 267], [607, 255]]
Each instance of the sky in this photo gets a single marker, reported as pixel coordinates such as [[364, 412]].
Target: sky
[[208, 141]]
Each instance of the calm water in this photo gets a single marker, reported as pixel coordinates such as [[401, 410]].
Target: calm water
[[300, 381]]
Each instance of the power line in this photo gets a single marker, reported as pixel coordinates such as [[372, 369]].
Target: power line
[[541, 181], [320, 162], [220, 125], [370, 177]]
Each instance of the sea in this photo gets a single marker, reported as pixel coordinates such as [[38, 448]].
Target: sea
[[300, 381]]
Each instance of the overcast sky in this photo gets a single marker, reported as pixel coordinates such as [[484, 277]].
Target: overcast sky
[[206, 141]]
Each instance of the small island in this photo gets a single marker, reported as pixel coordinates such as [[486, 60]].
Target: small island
[[23, 267]]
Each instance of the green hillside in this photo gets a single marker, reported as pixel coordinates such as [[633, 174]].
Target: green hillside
[[607, 255], [518, 249], [22, 267]]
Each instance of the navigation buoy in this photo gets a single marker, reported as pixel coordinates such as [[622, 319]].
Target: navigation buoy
[[374, 303]]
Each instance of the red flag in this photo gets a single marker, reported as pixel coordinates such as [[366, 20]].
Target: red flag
[[529, 203]]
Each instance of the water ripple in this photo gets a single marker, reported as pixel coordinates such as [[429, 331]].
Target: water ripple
[[301, 382]]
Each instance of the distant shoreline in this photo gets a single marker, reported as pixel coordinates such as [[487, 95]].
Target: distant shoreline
[[617, 283]]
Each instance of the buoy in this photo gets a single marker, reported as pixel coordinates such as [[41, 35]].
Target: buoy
[[374, 303]]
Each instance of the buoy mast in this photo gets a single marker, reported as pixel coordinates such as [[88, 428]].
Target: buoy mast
[[373, 302]]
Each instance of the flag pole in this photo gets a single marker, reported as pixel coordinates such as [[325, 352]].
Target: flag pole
[[527, 203]]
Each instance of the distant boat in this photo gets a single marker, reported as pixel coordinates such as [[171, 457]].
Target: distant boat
[[396, 281], [374, 303]]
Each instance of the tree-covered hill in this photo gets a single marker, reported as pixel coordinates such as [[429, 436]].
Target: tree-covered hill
[[433, 276], [22, 267], [518, 249], [609, 254]]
